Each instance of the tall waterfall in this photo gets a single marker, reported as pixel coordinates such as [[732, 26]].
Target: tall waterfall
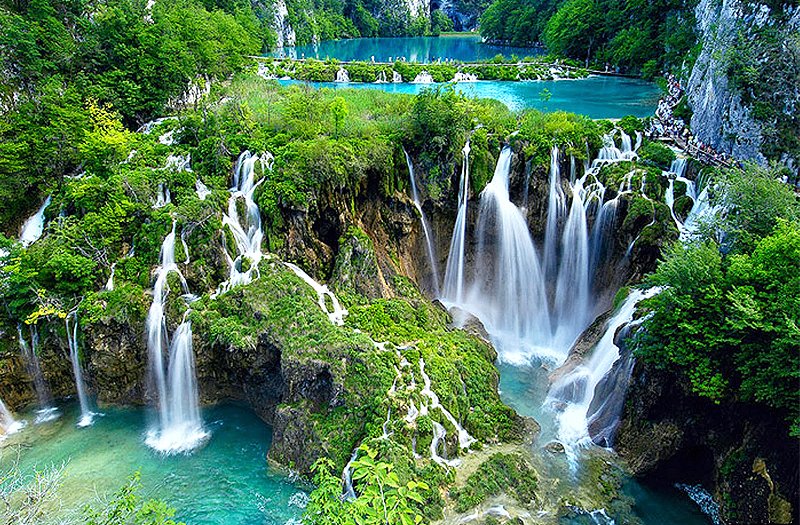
[[8, 425], [508, 295], [454, 273], [74, 355], [30, 357], [425, 226], [572, 394], [246, 231], [180, 428], [572, 301], [533, 306], [556, 209], [33, 227]]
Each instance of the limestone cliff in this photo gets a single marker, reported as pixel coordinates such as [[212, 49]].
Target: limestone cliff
[[744, 88]]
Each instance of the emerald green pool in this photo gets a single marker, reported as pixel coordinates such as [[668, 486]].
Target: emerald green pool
[[227, 482]]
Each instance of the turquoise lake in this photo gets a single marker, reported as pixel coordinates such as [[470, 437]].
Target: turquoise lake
[[423, 49], [227, 482], [597, 97]]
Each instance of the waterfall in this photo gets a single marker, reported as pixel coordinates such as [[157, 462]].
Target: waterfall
[[423, 78], [439, 434], [509, 294], [182, 431], [556, 209], [678, 167], [454, 273], [464, 77], [626, 148], [534, 307], [163, 198], [201, 189], [572, 302], [464, 439], [246, 231], [8, 425], [180, 428], [30, 357], [33, 227], [87, 416], [396, 77], [335, 314], [571, 395], [425, 227], [348, 492], [381, 78], [342, 75], [109, 287]]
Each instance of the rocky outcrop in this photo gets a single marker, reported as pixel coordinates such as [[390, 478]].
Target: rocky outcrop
[[723, 116], [117, 361], [742, 453]]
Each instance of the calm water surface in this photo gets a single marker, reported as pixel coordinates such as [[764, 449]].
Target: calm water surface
[[596, 97], [424, 49], [227, 482]]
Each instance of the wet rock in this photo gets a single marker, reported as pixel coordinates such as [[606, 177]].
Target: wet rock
[[295, 442], [555, 447], [671, 435], [117, 361]]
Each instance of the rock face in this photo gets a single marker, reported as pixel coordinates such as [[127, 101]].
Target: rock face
[[721, 116], [740, 452]]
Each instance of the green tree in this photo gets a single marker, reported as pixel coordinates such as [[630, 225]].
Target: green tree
[[381, 496], [126, 507], [338, 109]]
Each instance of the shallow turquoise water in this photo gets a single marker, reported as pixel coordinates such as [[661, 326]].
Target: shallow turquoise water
[[464, 48], [596, 97], [227, 482], [525, 388]]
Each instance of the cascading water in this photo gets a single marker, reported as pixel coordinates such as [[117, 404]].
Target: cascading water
[[109, 287], [396, 77], [336, 314], [571, 395], [33, 227], [180, 428], [509, 294], [454, 273], [246, 231], [8, 425], [425, 227], [556, 209], [423, 78], [87, 416], [342, 75], [163, 198], [30, 357], [201, 189], [572, 288]]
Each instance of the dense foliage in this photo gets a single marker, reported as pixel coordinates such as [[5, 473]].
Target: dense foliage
[[317, 71], [727, 319], [62, 62], [382, 497], [635, 36], [315, 20]]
